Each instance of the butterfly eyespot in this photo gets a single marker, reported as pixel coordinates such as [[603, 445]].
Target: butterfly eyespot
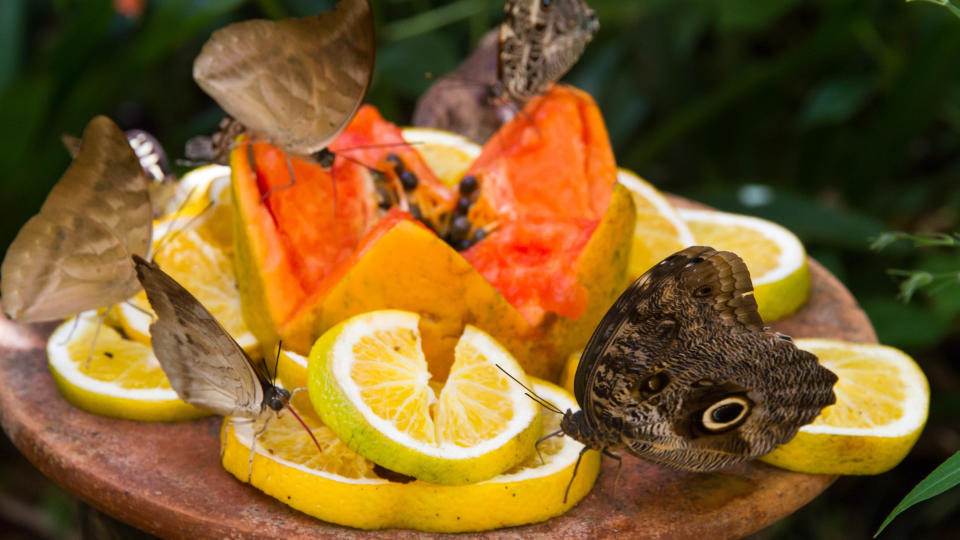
[[703, 291], [546, 3], [657, 382], [725, 414], [666, 328]]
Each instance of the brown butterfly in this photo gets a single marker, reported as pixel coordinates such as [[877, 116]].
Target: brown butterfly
[[74, 255], [681, 371], [295, 82], [540, 40]]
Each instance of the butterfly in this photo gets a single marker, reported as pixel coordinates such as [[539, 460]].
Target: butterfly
[[296, 82], [74, 255], [539, 41], [681, 371], [205, 365]]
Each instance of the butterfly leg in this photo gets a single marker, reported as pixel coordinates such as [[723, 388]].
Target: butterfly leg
[[536, 446], [233, 421], [76, 321], [616, 478], [253, 446], [293, 181], [150, 314], [576, 467], [93, 342]]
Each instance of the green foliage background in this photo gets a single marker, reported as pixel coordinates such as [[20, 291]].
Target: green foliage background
[[839, 119]]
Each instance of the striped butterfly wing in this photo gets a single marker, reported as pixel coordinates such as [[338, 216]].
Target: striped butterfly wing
[[74, 255], [295, 82], [205, 365], [540, 40]]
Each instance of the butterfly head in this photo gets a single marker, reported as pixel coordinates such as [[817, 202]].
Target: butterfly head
[[276, 398], [575, 426]]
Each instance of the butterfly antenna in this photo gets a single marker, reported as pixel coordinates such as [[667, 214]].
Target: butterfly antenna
[[576, 467], [93, 342], [531, 394], [276, 364], [169, 236], [304, 424]]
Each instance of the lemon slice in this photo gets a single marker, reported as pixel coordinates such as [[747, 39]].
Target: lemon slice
[[882, 404], [369, 382], [447, 154], [341, 487], [122, 379], [659, 230], [292, 370], [195, 246], [774, 255]]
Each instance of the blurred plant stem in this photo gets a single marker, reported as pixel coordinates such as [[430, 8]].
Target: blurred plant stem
[[920, 279]]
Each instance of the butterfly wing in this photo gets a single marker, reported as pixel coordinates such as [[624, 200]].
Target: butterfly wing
[[206, 367], [693, 381], [75, 254], [540, 41], [296, 82]]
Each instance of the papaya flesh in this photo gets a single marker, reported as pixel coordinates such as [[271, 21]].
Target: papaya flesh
[[539, 283]]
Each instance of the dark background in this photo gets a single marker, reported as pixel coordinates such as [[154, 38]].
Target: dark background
[[843, 114]]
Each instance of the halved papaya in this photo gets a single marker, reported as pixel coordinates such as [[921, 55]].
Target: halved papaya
[[304, 265]]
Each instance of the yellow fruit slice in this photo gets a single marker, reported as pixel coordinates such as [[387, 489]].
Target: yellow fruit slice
[[369, 381], [195, 246], [882, 404], [447, 154], [122, 378], [659, 231], [774, 255], [339, 486]]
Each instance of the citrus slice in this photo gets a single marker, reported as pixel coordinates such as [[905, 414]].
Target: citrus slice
[[447, 154], [207, 272], [369, 381], [659, 230], [292, 370], [882, 404], [122, 379], [774, 255], [341, 487]]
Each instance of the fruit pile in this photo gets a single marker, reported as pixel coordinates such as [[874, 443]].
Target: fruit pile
[[408, 281]]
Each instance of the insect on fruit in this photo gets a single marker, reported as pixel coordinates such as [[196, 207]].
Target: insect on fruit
[[681, 371]]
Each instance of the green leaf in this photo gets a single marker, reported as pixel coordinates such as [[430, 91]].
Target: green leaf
[[944, 477], [945, 3], [836, 102]]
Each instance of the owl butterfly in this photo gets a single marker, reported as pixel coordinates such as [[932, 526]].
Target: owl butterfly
[[681, 371], [205, 365], [540, 40], [296, 83], [74, 255]]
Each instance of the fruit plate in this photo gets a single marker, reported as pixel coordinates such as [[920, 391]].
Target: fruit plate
[[166, 478]]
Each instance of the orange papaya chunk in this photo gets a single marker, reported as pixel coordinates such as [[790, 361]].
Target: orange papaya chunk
[[546, 179], [552, 160], [408, 267]]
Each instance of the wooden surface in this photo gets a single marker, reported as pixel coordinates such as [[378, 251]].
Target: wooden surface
[[166, 479]]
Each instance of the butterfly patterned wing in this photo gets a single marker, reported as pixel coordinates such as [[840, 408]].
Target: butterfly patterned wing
[[630, 308], [61, 264], [540, 41], [720, 390], [296, 82], [205, 365], [107, 184], [75, 254]]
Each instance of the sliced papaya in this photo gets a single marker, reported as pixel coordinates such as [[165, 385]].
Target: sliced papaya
[[554, 261]]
